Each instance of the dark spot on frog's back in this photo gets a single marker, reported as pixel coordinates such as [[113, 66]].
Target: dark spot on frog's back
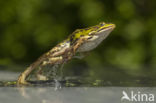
[[87, 28], [81, 30], [71, 38], [81, 35], [76, 39], [73, 41], [90, 37]]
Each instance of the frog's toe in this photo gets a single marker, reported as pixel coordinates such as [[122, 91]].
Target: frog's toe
[[21, 80]]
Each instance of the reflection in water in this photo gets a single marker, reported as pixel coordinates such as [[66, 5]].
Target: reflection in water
[[68, 94], [29, 94]]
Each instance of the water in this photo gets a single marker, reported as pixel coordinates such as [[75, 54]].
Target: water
[[95, 91], [6, 75], [68, 95]]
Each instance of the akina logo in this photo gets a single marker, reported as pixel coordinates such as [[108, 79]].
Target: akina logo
[[137, 97]]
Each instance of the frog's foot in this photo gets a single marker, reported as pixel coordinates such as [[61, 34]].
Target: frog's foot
[[21, 80]]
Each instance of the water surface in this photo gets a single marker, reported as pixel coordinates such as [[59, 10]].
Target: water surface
[[74, 91]]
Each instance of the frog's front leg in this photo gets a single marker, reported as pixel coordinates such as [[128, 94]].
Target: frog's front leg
[[79, 43]]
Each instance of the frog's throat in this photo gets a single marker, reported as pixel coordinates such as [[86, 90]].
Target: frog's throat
[[91, 44]]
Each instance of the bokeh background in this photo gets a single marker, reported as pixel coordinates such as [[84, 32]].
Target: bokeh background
[[29, 28]]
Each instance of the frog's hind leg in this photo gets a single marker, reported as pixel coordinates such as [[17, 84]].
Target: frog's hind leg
[[79, 43], [22, 77]]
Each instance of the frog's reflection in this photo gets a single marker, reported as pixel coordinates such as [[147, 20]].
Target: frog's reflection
[[41, 94]]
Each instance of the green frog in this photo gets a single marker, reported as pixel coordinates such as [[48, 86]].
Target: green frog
[[79, 42]]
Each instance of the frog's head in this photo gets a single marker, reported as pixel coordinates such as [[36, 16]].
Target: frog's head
[[95, 35], [100, 29]]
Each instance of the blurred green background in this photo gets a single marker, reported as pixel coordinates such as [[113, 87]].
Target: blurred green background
[[28, 28]]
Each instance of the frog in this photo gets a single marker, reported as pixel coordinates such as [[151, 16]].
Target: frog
[[78, 43]]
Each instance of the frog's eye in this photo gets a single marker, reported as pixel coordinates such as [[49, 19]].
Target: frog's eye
[[102, 24]]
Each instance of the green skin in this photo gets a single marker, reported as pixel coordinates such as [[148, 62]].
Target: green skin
[[80, 41]]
